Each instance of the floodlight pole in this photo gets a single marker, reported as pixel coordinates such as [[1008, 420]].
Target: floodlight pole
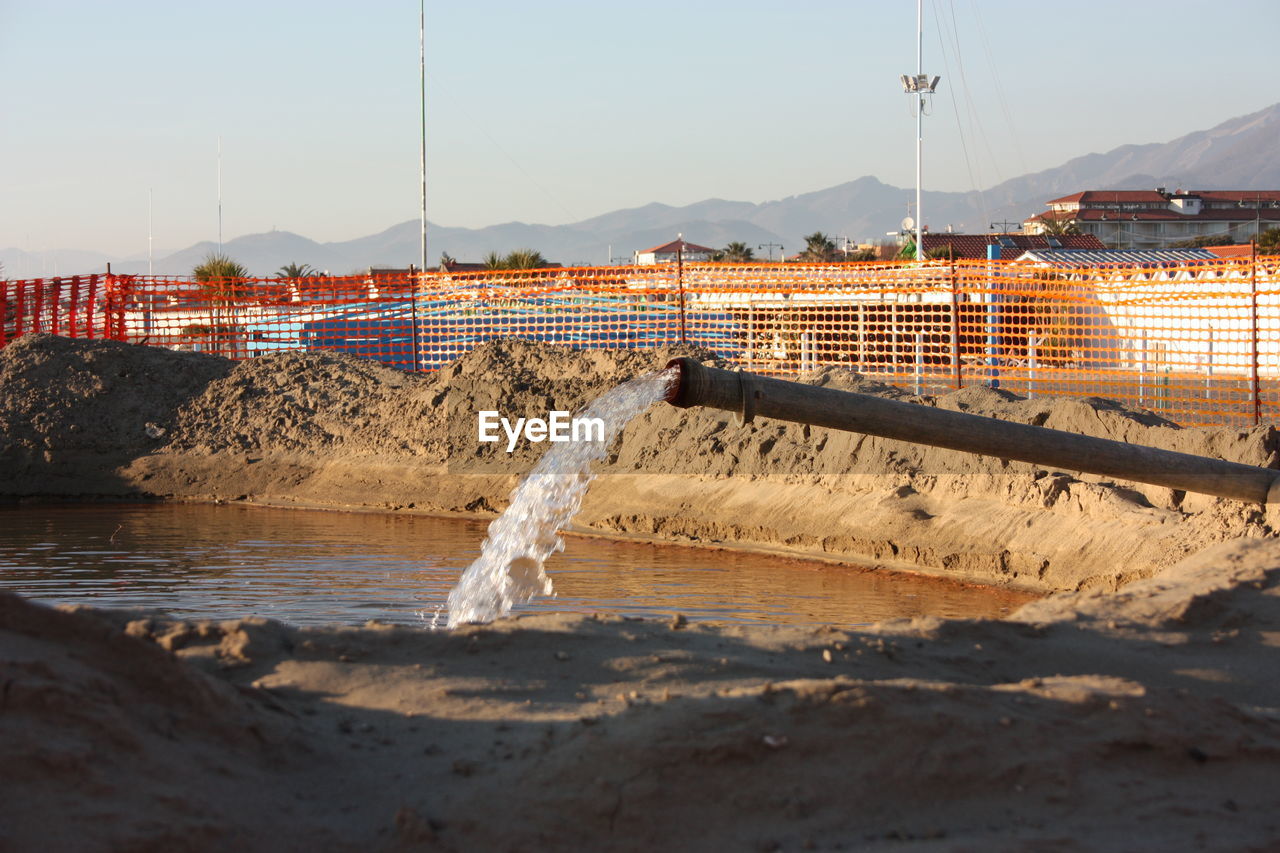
[[919, 129], [918, 86]]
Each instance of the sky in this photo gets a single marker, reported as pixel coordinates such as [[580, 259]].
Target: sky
[[112, 113]]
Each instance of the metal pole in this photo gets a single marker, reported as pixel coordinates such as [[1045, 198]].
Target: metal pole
[[422, 111], [1255, 391], [680, 282], [1031, 366], [1142, 369], [1208, 376], [991, 298], [862, 337], [219, 195], [919, 128], [955, 326], [919, 363]]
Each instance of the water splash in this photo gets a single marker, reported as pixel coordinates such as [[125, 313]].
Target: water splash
[[509, 568]]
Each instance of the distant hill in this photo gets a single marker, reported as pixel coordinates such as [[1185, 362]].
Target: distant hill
[[1237, 154]]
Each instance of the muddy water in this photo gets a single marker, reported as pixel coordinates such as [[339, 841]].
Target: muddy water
[[310, 568]]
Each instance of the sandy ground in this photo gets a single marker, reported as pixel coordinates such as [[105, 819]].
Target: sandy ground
[[1135, 709]]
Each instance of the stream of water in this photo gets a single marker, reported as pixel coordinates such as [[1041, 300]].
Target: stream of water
[[510, 569]]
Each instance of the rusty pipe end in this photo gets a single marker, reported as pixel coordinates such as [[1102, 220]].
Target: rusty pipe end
[[699, 385], [677, 394]]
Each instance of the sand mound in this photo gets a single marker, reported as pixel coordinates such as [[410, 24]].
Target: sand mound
[[170, 758], [73, 410]]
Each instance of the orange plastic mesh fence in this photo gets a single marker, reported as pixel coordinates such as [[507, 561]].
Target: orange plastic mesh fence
[[1198, 343]]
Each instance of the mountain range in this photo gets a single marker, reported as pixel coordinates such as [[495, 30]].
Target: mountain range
[[1237, 154]]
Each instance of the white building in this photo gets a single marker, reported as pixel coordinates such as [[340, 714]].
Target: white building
[[667, 253]]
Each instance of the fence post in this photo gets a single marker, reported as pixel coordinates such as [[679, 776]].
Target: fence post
[[680, 284], [20, 311], [89, 305], [1142, 370], [1032, 341], [955, 328], [4, 314], [993, 318], [413, 313], [895, 354], [37, 309], [1208, 376], [1255, 391], [862, 336], [919, 363], [55, 304]]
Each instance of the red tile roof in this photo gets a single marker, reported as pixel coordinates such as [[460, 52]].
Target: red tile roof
[[974, 246], [676, 245], [1102, 196], [1247, 197], [1232, 215], [1272, 215]]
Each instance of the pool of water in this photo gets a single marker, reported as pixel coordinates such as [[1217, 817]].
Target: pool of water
[[200, 561]]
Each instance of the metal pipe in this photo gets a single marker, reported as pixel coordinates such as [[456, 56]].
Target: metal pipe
[[748, 395]]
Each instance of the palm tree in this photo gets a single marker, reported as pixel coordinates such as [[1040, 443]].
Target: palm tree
[[519, 259], [525, 259], [219, 278], [1054, 226], [736, 253], [819, 247], [1269, 241], [216, 275], [296, 271], [215, 266]]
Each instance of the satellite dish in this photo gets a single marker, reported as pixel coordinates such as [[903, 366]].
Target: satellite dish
[[908, 223]]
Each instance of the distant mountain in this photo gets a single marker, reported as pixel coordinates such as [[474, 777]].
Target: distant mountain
[[1237, 154]]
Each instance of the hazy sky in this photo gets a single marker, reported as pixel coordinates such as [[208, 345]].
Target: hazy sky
[[556, 111]]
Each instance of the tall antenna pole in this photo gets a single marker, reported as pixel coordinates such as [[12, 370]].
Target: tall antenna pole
[[422, 103], [219, 194], [150, 195]]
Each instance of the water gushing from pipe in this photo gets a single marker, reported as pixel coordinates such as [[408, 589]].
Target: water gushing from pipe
[[509, 569]]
